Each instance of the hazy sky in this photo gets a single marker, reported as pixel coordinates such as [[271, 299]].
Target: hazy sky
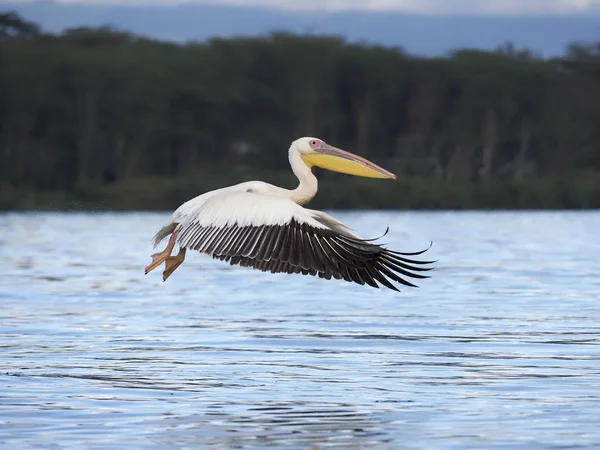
[[421, 6]]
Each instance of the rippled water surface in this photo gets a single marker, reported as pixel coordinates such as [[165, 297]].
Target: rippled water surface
[[499, 349]]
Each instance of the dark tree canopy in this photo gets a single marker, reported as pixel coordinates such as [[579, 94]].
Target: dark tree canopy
[[11, 26], [97, 114]]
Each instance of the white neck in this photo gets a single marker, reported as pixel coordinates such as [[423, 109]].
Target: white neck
[[308, 186]]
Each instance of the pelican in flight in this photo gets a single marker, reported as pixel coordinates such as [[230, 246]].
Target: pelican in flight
[[258, 225]]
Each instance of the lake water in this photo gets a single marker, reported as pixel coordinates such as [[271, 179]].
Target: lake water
[[499, 349]]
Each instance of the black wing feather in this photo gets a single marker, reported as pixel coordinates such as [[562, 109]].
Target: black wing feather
[[300, 248]]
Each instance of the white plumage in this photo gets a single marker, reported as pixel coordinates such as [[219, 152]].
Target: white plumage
[[245, 204], [265, 227]]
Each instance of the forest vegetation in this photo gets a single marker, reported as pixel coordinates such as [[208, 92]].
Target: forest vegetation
[[103, 119]]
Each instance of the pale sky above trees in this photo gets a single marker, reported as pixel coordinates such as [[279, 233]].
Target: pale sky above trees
[[415, 6]]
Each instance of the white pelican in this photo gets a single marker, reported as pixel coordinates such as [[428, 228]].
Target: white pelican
[[265, 227]]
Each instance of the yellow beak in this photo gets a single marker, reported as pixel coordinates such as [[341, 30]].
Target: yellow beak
[[331, 158]]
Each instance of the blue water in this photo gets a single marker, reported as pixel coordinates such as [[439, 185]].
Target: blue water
[[499, 349]]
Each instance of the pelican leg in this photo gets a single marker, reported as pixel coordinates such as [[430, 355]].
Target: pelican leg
[[173, 262], [159, 258]]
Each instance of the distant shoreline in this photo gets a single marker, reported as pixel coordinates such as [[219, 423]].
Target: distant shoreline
[[337, 193], [97, 118]]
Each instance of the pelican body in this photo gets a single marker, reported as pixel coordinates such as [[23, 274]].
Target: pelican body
[[266, 227]]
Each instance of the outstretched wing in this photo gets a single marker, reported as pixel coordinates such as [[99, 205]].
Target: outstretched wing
[[275, 234]]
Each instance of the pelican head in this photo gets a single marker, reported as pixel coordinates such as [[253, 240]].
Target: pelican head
[[316, 152]]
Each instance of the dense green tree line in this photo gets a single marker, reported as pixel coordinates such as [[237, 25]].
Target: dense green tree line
[[105, 117]]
